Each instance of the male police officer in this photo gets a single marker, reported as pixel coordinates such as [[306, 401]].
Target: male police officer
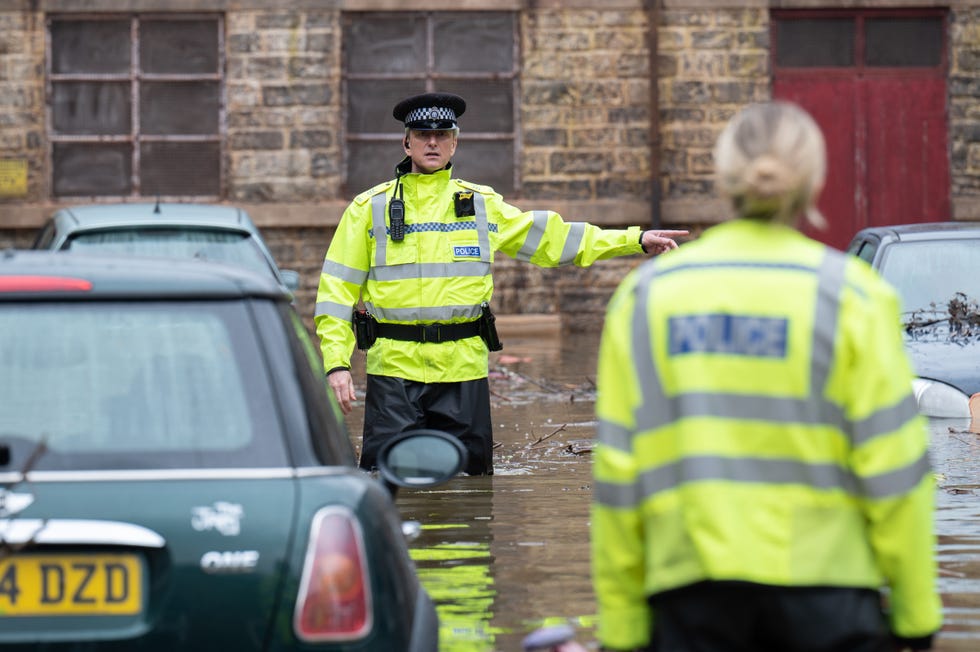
[[417, 250]]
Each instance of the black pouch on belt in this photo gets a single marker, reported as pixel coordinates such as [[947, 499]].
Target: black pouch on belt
[[364, 331], [488, 328]]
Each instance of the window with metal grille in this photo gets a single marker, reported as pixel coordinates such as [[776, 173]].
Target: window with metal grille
[[868, 39], [135, 105], [391, 56]]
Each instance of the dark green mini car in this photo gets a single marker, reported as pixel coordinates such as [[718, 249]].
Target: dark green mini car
[[174, 474]]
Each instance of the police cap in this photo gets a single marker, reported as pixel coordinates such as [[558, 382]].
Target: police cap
[[430, 111]]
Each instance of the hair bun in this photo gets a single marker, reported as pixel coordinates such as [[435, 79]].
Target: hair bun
[[767, 177]]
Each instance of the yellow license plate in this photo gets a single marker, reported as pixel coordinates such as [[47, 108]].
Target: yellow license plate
[[70, 585]]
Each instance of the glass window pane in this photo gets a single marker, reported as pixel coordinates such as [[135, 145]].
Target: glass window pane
[[933, 271], [815, 42], [179, 107], [903, 42], [370, 163], [186, 242], [102, 108], [489, 104], [90, 46], [473, 42], [137, 385], [92, 169], [174, 169], [385, 43], [369, 104], [486, 162], [179, 46]]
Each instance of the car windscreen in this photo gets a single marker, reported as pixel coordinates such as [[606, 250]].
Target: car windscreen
[[135, 385], [232, 247], [933, 271]]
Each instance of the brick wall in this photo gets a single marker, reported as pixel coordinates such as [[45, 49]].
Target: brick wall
[[964, 112], [22, 100], [589, 138]]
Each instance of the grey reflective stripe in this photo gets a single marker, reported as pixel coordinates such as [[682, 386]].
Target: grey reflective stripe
[[754, 470], [749, 470], [753, 407], [378, 205], [425, 314], [482, 227], [430, 270], [343, 272], [613, 435], [898, 482], [615, 495], [576, 231], [656, 409], [885, 420], [830, 281], [539, 222], [333, 309]]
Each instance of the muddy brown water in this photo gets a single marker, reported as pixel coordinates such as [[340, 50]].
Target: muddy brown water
[[504, 554]]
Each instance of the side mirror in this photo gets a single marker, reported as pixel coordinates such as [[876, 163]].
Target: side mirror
[[290, 278], [419, 459]]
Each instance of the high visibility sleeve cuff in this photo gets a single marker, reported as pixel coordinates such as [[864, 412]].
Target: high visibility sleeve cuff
[[624, 628]]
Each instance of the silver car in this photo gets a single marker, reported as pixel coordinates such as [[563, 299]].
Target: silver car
[[936, 269], [205, 231]]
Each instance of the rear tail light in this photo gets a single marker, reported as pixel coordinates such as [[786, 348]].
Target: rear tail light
[[334, 601], [43, 284]]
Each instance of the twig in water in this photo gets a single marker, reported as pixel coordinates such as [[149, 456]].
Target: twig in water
[[550, 434]]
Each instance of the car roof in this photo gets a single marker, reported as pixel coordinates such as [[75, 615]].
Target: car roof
[[922, 231], [91, 276], [100, 216]]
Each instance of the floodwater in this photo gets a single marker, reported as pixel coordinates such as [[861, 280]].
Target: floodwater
[[505, 554]]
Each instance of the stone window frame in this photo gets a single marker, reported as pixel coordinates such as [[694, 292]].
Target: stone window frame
[[431, 78], [135, 77]]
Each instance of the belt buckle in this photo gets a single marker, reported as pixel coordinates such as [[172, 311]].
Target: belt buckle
[[430, 333]]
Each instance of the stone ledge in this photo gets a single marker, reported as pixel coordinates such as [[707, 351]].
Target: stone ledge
[[609, 213], [529, 325]]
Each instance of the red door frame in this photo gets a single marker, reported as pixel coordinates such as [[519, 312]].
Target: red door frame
[[886, 130]]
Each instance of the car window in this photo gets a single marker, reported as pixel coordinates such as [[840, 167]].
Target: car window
[[933, 271], [45, 237], [231, 247], [136, 385]]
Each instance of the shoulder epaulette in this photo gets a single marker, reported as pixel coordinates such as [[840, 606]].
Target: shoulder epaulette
[[486, 190], [368, 194]]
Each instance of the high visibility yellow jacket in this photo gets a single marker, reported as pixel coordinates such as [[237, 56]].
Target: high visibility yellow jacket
[[756, 423], [440, 272]]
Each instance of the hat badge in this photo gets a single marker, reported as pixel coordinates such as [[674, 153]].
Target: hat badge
[[433, 113]]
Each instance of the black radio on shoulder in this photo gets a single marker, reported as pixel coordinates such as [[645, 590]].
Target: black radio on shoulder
[[396, 215], [463, 201]]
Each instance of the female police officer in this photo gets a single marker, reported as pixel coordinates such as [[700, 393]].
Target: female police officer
[[761, 470], [417, 250]]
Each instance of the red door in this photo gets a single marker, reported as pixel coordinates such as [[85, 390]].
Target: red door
[[875, 83]]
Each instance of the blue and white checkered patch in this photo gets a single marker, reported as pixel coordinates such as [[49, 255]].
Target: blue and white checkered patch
[[431, 113]]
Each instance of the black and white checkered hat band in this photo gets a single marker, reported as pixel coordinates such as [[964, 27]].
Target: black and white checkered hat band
[[431, 113]]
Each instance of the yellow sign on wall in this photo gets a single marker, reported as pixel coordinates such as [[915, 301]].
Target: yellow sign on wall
[[13, 177]]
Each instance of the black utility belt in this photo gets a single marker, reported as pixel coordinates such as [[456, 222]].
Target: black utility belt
[[367, 329], [428, 332]]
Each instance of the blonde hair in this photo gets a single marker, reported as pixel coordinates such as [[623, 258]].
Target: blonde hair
[[771, 161]]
